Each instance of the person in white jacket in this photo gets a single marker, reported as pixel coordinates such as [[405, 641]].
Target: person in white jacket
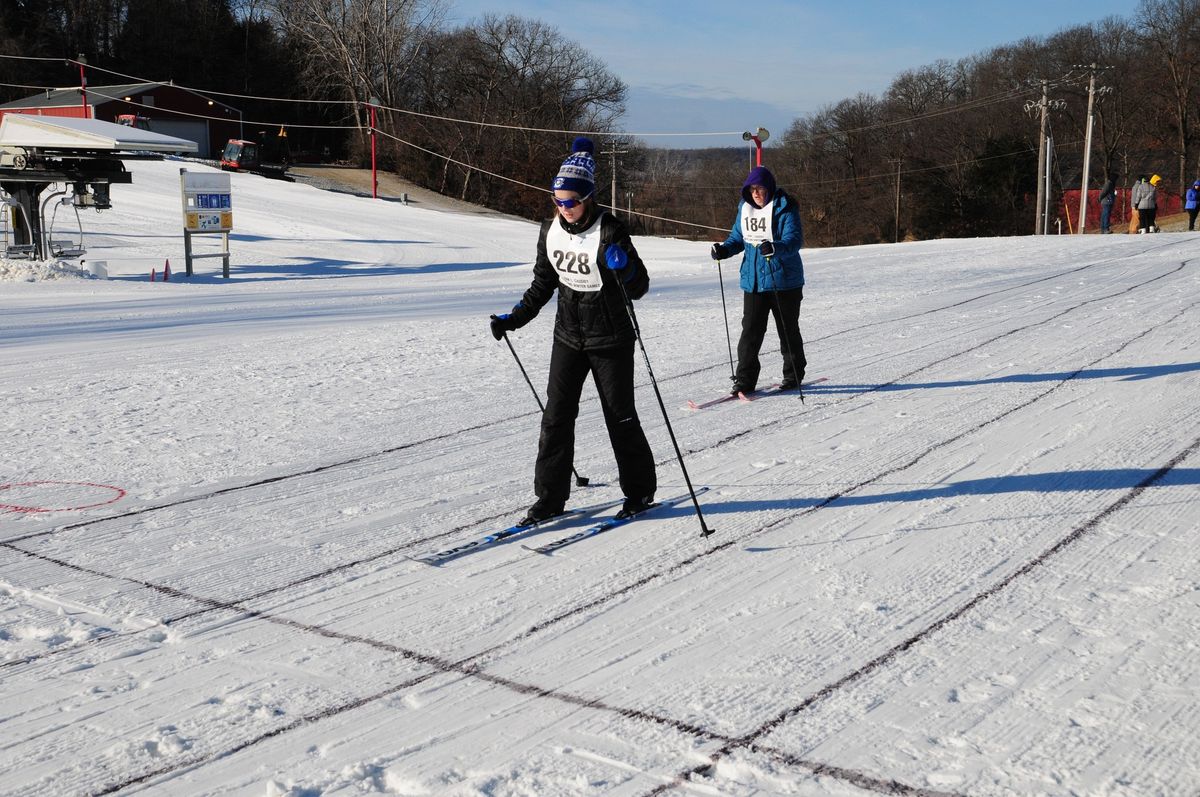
[[1144, 198]]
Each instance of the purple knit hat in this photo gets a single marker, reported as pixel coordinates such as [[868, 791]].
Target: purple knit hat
[[759, 175]]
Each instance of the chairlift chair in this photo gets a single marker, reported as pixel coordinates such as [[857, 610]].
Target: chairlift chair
[[65, 248]]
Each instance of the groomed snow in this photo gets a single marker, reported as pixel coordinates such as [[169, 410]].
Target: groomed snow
[[966, 564]]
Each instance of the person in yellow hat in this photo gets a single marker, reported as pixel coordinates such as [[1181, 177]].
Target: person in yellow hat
[[1144, 198]]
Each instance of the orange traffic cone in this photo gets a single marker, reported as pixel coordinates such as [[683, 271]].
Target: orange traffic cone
[[167, 271]]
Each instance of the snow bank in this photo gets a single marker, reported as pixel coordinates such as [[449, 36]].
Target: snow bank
[[45, 270]]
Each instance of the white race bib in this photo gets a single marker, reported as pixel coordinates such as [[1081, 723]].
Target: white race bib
[[576, 258], [756, 223]]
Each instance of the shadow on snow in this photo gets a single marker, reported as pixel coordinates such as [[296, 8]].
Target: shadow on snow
[[1051, 482], [1127, 374]]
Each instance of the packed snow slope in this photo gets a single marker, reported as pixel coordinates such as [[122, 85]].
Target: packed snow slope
[[966, 563]]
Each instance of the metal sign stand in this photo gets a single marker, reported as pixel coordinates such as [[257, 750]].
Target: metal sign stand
[[188, 256], [207, 210]]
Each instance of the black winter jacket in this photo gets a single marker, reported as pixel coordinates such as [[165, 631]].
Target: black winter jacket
[[587, 319]]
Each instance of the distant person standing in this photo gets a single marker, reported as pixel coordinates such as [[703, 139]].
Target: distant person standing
[[1144, 199], [1192, 204], [1108, 195], [767, 232]]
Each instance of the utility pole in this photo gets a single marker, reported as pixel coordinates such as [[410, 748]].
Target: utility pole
[[615, 152], [82, 61], [1043, 177], [1043, 106], [897, 161], [1092, 68], [373, 103], [1046, 207]]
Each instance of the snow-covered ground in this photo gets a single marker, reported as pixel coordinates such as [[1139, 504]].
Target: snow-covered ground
[[967, 564]]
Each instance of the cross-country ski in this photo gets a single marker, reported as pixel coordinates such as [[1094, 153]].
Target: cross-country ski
[[446, 554], [608, 524]]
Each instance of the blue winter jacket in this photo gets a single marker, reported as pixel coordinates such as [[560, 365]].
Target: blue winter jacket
[[782, 271], [1193, 198]]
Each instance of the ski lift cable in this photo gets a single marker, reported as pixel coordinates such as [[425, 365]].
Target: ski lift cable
[[961, 107], [24, 86], [969, 105], [207, 91], [999, 97], [410, 112], [466, 165], [29, 58], [253, 122]]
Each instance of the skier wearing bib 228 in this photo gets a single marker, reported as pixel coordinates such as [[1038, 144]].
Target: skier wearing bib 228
[[592, 333], [767, 231]]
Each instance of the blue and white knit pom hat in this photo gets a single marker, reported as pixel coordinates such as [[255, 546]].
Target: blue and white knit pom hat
[[578, 171]]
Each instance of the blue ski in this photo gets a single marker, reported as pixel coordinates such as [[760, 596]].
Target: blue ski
[[607, 525], [437, 557]]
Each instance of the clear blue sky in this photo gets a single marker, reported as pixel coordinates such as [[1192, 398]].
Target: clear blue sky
[[704, 66]]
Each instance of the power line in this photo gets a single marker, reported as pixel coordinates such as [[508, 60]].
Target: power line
[[539, 189], [29, 58], [256, 123], [961, 107], [410, 112], [969, 105]]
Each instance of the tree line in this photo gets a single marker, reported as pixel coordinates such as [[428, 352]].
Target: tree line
[[518, 75], [951, 146], [946, 150]]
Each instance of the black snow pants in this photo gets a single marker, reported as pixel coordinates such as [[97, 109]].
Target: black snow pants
[[756, 309], [612, 371]]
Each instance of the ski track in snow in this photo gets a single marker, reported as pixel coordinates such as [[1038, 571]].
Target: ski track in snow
[[961, 566]]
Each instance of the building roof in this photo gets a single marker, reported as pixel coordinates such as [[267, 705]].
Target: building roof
[[58, 98]]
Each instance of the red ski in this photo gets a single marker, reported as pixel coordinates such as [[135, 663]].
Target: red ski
[[773, 389], [748, 396]]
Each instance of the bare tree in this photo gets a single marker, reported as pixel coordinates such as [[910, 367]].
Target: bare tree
[[1170, 29], [487, 91], [356, 49]]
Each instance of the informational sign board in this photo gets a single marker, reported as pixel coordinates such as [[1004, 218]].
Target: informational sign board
[[207, 202], [207, 209]]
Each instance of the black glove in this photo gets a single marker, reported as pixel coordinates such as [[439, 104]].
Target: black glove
[[501, 324], [719, 252], [766, 248]]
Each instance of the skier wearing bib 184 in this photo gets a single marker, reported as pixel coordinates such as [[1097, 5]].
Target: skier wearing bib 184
[[592, 333], [767, 231]]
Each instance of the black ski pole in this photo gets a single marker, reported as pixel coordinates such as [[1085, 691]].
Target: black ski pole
[[637, 333], [783, 334], [725, 312], [580, 481]]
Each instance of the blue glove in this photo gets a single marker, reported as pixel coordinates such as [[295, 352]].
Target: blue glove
[[502, 323], [615, 257], [719, 252], [766, 248]]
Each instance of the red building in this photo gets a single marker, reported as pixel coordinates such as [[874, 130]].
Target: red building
[[165, 108]]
